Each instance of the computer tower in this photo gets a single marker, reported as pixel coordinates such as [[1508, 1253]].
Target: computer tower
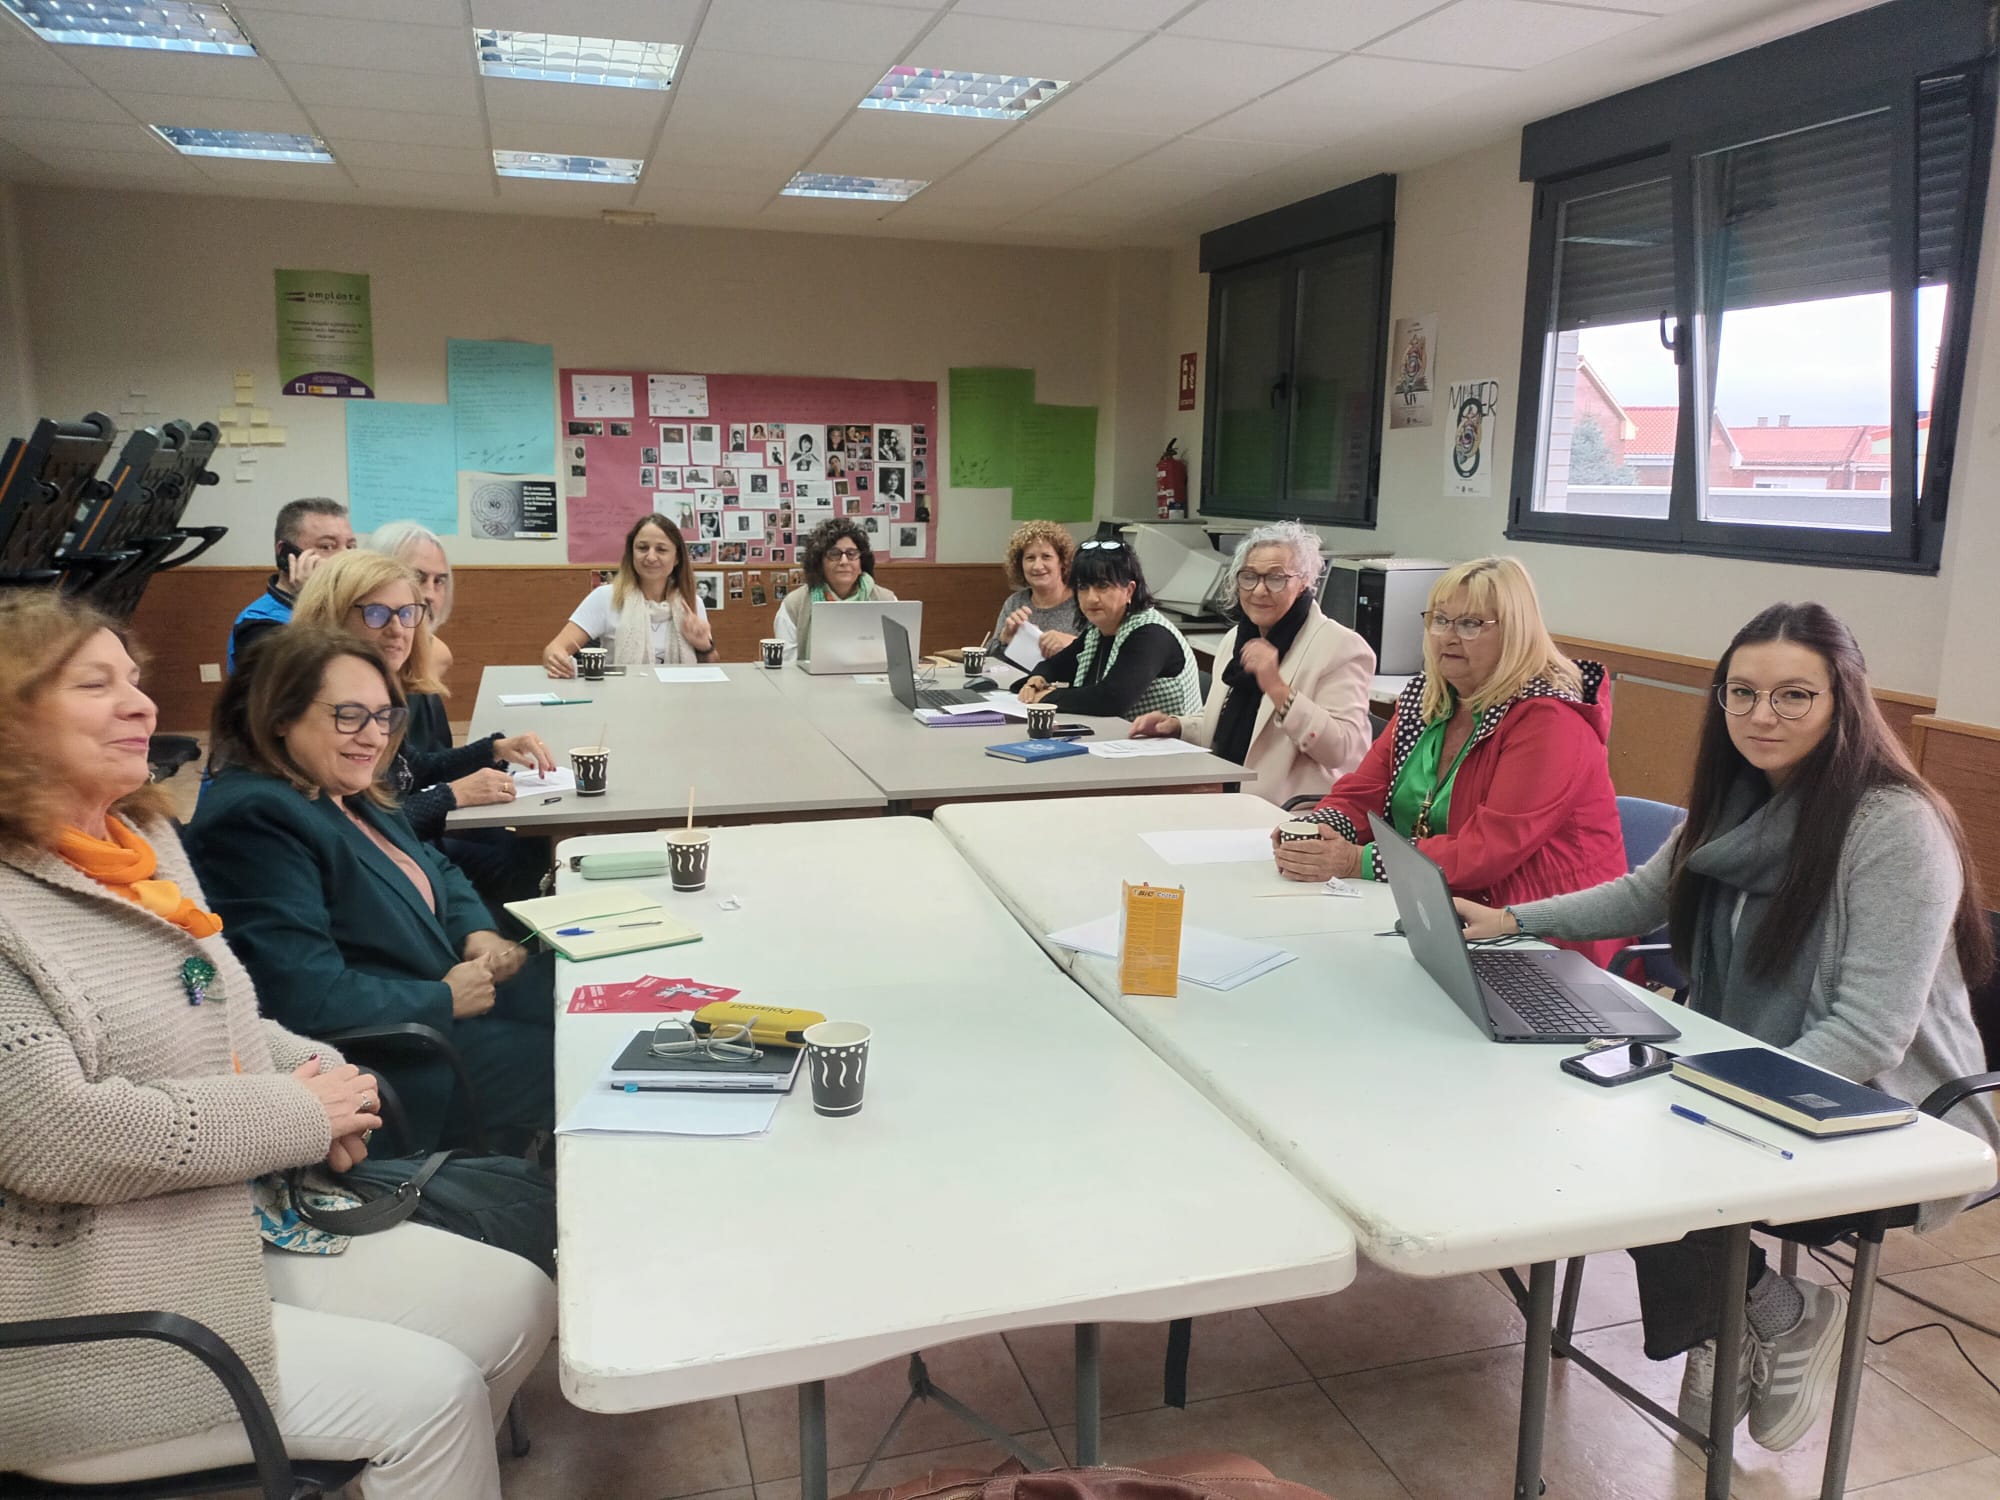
[[1382, 599]]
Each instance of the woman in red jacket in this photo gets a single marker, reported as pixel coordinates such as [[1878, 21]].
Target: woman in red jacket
[[1494, 763]]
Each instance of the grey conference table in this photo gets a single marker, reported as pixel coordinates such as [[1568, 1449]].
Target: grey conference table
[[914, 764], [737, 743]]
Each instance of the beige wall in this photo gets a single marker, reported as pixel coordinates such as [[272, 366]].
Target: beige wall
[[175, 295], [17, 382], [1462, 230]]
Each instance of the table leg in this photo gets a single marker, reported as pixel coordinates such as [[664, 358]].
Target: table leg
[[1731, 1310], [1847, 1393], [1541, 1312], [1086, 1393], [812, 1440]]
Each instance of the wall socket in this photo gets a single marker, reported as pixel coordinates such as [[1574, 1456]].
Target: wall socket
[[211, 671]]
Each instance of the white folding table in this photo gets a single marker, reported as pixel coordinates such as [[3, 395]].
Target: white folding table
[[1020, 1159], [1477, 1156]]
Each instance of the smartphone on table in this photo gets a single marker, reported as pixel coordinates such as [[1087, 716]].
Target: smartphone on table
[[1624, 1063]]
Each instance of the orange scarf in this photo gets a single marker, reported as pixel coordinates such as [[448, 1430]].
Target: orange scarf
[[125, 865]]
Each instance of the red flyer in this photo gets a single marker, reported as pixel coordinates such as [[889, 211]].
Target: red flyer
[[650, 994]]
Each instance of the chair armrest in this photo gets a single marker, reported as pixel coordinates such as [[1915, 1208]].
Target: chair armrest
[[414, 1038], [267, 1448], [1945, 1095], [207, 536], [1303, 800]]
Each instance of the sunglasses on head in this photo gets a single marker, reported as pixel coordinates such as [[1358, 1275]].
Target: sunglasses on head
[[1106, 546]]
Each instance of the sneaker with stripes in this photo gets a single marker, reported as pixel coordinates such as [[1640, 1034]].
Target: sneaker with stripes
[[1796, 1370]]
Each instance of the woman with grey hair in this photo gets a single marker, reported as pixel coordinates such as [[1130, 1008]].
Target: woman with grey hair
[[1291, 700], [419, 549]]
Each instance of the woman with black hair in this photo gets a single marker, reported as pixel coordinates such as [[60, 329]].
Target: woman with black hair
[[1819, 897], [839, 566], [1130, 660]]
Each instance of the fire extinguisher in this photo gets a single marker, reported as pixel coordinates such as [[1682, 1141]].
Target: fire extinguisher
[[1170, 483]]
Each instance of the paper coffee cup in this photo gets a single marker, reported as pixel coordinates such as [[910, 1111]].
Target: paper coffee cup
[[590, 662], [774, 652], [1041, 721], [974, 658], [687, 858], [1297, 829], [591, 765], [837, 1064]]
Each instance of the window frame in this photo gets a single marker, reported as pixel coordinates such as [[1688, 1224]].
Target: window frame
[[1919, 504]]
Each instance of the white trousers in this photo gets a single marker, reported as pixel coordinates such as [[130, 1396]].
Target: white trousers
[[405, 1350]]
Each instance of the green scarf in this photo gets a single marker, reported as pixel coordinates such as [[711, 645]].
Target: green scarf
[[817, 594]]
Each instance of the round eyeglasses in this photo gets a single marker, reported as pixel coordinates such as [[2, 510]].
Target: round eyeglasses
[[723, 1044], [375, 616], [1467, 627], [1738, 699], [1249, 582], [350, 718]]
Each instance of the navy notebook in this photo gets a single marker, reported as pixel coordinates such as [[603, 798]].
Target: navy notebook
[[1030, 751], [1779, 1087]]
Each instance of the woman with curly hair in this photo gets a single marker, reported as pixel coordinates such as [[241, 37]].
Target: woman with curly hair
[[1038, 557], [839, 566]]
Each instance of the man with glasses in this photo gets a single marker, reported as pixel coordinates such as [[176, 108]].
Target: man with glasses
[[308, 532]]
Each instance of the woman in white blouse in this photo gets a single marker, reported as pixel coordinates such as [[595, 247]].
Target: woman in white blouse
[[649, 615]]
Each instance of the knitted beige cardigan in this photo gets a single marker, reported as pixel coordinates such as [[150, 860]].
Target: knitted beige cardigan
[[127, 1142]]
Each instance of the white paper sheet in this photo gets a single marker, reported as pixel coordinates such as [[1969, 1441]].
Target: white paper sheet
[[600, 395], [1211, 959], [534, 784], [1211, 846], [529, 700], [676, 395], [690, 674], [1026, 646], [604, 1110], [1133, 749], [704, 445]]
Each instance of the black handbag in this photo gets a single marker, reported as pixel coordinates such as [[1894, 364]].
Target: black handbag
[[504, 1201]]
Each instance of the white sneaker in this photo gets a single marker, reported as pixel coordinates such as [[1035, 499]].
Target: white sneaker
[[1798, 1369], [1698, 1382]]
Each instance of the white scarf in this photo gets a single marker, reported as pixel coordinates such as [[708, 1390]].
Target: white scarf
[[632, 645]]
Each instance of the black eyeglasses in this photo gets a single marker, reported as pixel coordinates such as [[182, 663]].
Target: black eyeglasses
[[844, 554], [351, 718], [1738, 699], [375, 616]]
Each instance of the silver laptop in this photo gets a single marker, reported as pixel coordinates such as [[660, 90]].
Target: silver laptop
[[903, 674], [1541, 995], [847, 636]]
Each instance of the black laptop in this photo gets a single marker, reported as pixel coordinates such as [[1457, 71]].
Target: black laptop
[[903, 674], [1537, 995]]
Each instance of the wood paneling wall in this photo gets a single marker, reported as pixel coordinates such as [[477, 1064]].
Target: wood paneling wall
[[1963, 762], [505, 615]]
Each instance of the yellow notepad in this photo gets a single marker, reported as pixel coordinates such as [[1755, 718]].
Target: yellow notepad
[[1149, 939], [613, 919]]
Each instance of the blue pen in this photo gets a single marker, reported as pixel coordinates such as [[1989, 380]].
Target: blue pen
[[575, 931], [1700, 1119]]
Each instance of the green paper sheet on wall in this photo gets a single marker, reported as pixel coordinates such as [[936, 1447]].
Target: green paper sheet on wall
[[985, 406], [1055, 463]]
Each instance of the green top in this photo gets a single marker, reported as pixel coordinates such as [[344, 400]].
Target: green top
[[1422, 790]]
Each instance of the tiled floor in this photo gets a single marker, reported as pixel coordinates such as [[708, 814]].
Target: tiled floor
[[1394, 1390]]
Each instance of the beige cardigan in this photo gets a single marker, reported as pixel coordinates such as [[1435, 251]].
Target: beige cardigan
[[127, 1142], [1326, 732]]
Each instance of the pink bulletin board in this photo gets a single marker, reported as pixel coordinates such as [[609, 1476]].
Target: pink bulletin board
[[809, 449]]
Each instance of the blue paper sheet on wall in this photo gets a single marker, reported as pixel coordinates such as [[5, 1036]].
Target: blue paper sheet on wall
[[399, 465], [503, 399]]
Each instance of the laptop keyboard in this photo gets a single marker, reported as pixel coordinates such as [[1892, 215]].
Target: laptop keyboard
[[1525, 986], [946, 697]]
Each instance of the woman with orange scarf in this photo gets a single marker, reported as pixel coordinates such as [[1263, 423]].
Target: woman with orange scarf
[[148, 1114]]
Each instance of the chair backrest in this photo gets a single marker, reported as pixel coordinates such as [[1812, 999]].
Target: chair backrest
[[1378, 724], [1645, 826], [45, 479], [1986, 1005]]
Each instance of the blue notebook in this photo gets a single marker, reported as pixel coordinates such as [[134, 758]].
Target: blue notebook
[[1030, 751], [1779, 1087]]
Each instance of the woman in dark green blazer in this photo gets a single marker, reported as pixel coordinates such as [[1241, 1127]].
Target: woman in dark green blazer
[[342, 915]]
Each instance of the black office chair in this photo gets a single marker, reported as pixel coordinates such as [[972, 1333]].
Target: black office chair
[[46, 480], [271, 1472], [1645, 826]]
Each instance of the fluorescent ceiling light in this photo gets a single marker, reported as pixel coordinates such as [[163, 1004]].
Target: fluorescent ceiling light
[[248, 145], [835, 185], [165, 25], [610, 169], [551, 58], [981, 96]]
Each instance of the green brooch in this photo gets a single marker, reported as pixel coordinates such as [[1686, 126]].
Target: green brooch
[[196, 976]]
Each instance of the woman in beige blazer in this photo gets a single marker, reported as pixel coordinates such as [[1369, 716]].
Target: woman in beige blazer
[[1290, 698]]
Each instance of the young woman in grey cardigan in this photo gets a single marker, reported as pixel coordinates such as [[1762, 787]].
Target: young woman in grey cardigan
[[1820, 898]]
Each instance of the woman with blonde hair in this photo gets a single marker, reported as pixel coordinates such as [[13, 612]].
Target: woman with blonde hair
[[153, 1104], [648, 615], [1039, 554], [1494, 762]]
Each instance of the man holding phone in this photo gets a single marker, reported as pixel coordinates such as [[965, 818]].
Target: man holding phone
[[307, 533]]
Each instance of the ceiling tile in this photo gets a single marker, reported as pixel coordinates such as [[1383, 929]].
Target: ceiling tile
[[127, 69], [631, 20], [1173, 83], [968, 217], [217, 114], [821, 29], [584, 199], [1129, 189], [698, 179], [284, 37], [732, 94], [1222, 158], [442, 186], [1505, 33], [519, 99], [414, 157], [1130, 15], [992, 44], [1004, 177], [341, 122], [880, 143], [235, 170], [574, 137], [1353, 92], [1335, 25], [361, 88], [151, 169], [1045, 140], [414, 12], [31, 61], [44, 102], [83, 135], [17, 165], [675, 203], [736, 151]]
